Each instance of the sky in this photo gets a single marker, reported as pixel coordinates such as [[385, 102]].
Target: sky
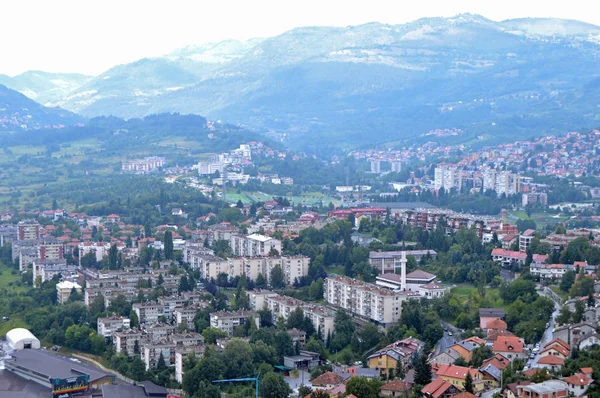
[[90, 36]]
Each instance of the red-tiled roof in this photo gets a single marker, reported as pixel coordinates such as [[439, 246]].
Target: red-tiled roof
[[578, 379], [464, 394], [327, 378], [551, 360], [436, 388], [459, 372], [496, 324], [508, 343], [396, 385]]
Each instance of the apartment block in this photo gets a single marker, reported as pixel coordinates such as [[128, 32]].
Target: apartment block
[[364, 299], [253, 245], [148, 312], [125, 341], [109, 325], [227, 321]]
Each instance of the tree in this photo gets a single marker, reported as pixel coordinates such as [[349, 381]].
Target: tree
[[137, 369], [211, 335], [168, 245], [362, 387], [303, 391], [296, 318], [480, 354], [113, 257], [160, 364], [567, 281], [422, 371], [460, 361], [239, 359], [272, 385], [469, 383], [260, 281], [579, 311], [277, 281], [564, 316]]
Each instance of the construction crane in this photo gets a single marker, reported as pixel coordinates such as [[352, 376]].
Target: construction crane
[[255, 379]]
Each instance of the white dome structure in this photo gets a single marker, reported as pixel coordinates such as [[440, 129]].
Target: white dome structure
[[21, 339]]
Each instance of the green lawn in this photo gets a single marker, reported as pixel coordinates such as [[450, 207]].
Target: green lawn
[[335, 270], [8, 279], [564, 296]]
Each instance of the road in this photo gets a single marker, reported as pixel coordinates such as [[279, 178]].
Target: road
[[547, 336], [446, 341]]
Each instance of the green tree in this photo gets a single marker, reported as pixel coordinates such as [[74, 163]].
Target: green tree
[[564, 316], [567, 281], [480, 354], [211, 335], [422, 371], [579, 311], [239, 359], [113, 257], [168, 245], [277, 281], [469, 383], [272, 385], [362, 387]]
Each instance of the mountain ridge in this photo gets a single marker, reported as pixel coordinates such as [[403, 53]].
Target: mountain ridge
[[372, 81]]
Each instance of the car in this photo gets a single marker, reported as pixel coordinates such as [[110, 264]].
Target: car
[[547, 325], [531, 356], [445, 329], [449, 333], [5, 318]]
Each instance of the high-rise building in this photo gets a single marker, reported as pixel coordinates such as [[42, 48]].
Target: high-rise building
[[28, 230], [448, 177], [375, 166], [396, 166]]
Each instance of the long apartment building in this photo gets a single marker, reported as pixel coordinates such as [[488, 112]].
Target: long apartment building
[[282, 306], [253, 245], [293, 267], [429, 218], [227, 321], [364, 299]]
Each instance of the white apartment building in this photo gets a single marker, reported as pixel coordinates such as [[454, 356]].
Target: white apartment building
[[282, 306], [125, 341], [64, 290], [181, 354], [148, 312], [101, 249], [109, 325], [447, 177], [503, 182], [253, 245], [46, 269], [365, 299], [227, 321]]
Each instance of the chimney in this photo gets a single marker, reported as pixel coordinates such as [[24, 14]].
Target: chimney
[[403, 271]]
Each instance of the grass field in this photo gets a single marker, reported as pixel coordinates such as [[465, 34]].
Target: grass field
[[492, 294], [307, 199], [539, 218], [560, 293]]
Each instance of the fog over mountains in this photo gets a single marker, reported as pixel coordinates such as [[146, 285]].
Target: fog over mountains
[[317, 87]]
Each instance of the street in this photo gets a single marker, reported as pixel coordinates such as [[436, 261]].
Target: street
[[446, 341], [547, 336]]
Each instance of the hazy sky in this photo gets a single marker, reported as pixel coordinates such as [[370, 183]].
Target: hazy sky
[[90, 36]]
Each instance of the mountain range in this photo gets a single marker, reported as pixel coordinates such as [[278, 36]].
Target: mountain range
[[318, 88], [18, 112]]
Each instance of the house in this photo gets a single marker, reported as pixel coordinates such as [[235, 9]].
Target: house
[[547, 389], [589, 340], [489, 314], [579, 382], [492, 335], [439, 388], [511, 347], [395, 388], [496, 324], [498, 361], [447, 357], [510, 391], [551, 363], [558, 348], [327, 380], [464, 394], [573, 333], [403, 351], [456, 375]]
